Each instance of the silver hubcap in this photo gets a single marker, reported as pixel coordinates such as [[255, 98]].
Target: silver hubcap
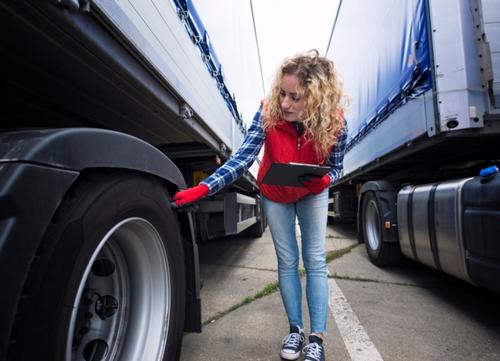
[[372, 224], [122, 308]]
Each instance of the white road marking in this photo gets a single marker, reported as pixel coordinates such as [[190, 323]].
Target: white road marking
[[356, 340]]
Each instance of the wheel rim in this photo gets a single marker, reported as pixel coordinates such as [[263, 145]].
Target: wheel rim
[[372, 224], [122, 307]]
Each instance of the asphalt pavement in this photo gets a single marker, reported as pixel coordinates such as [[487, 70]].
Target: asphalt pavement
[[409, 312]]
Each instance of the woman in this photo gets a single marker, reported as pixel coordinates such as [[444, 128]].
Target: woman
[[301, 121]]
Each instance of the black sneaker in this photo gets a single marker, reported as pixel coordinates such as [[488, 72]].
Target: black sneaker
[[292, 344], [314, 351]]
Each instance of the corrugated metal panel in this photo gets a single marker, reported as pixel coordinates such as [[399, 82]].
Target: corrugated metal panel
[[491, 18], [462, 101]]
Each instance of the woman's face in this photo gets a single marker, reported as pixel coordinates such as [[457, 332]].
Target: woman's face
[[292, 102]]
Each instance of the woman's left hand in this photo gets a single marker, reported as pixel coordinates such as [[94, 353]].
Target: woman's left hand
[[317, 185]]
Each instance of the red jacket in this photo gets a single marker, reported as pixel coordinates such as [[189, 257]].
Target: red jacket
[[282, 145]]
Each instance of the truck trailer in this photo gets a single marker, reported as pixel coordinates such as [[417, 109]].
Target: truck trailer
[[108, 109], [420, 170]]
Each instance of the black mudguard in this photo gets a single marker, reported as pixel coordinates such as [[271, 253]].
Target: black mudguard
[[37, 168]]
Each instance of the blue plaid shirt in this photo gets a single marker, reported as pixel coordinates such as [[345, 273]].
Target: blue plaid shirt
[[248, 151]]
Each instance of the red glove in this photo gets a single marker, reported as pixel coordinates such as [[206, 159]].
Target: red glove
[[316, 185], [190, 195]]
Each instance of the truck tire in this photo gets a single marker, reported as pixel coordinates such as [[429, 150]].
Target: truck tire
[[256, 230], [380, 252], [108, 282]]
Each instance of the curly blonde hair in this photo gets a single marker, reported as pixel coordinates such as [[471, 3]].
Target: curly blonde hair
[[324, 99]]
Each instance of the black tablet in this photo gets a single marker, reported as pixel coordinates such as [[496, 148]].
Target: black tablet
[[289, 174]]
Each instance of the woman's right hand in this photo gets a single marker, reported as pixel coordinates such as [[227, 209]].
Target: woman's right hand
[[190, 195]]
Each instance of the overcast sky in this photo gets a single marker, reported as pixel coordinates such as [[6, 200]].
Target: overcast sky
[[284, 28]]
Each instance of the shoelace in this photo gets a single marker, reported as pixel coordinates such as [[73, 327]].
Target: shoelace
[[292, 340], [313, 351]]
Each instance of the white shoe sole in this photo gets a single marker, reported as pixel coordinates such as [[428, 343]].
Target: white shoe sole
[[289, 356]]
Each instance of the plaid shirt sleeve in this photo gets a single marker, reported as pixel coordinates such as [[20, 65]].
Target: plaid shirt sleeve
[[336, 158], [241, 160]]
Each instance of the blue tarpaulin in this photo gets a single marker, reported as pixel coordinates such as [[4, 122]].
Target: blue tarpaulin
[[381, 51]]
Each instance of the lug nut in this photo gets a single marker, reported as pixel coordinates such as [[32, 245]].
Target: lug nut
[[106, 306]]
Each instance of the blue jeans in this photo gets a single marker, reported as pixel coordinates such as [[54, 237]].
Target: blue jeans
[[311, 212]]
